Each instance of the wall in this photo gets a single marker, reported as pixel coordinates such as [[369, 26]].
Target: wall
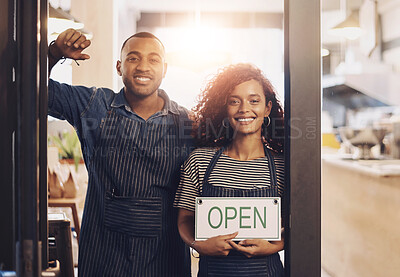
[[390, 19], [98, 17]]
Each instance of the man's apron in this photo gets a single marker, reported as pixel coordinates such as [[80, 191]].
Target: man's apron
[[130, 227]]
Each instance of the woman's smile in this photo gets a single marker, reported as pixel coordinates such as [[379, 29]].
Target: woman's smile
[[245, 120], [246, 108]]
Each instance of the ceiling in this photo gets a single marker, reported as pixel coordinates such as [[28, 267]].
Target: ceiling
[[334, 11], [207, 5], [231, 5]]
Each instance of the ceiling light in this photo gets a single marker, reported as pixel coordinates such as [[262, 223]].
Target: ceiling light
[[324, 52], [349, 28]]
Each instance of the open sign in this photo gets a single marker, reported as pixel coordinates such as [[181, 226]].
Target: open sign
[[252, 217]]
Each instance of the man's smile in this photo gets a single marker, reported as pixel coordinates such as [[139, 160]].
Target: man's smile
[[142, 78]]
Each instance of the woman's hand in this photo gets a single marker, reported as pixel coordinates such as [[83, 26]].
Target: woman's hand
[[215, 246], [257, 247]]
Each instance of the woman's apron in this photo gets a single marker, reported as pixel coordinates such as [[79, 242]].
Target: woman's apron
[[237, 264], [133, 230]]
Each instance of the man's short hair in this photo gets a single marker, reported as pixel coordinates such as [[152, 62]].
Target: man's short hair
[[143, 35]]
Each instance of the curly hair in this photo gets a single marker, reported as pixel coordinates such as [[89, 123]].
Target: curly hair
[[211, 109]]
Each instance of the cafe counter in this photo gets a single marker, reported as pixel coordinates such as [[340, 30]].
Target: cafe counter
[[360, 216]]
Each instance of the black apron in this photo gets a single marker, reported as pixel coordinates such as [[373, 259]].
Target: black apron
[[237, 264], [133, 229]]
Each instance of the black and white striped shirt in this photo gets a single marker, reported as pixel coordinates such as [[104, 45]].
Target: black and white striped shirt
[[228, 172]]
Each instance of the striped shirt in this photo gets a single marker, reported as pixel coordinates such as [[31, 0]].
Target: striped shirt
[[228, 173]]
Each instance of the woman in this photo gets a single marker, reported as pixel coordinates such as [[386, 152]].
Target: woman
[[239, 125]]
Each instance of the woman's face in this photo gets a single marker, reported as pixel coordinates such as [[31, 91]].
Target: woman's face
[[246, 108]]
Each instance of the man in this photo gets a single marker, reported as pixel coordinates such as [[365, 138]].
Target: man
[[133, 144]]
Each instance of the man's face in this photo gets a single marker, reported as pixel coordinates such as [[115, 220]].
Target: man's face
[[142, 66]]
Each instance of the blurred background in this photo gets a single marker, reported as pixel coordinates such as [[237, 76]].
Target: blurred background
[[360, 113], [360, 78]]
